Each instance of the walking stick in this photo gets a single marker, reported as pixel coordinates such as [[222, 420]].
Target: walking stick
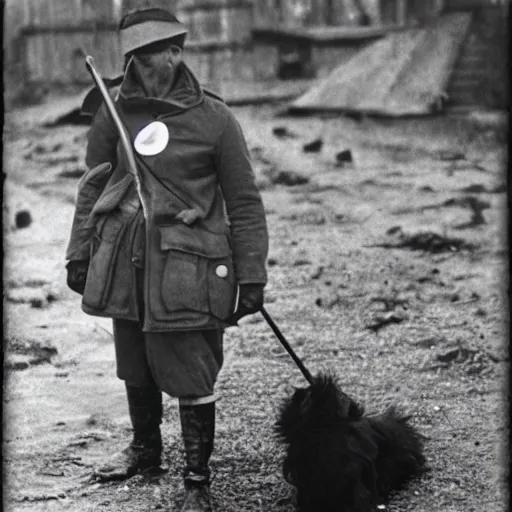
[[286, 345]]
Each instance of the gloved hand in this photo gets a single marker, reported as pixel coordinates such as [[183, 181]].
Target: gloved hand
[[77, 275], [249, 302]]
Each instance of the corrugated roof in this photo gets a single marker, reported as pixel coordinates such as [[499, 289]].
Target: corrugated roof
[[405, 73]]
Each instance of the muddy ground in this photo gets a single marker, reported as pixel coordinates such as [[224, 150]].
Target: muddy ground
[[390, 271]]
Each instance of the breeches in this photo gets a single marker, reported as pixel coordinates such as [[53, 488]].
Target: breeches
[[183, 364]]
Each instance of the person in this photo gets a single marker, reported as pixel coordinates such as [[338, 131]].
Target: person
[[167, 254]]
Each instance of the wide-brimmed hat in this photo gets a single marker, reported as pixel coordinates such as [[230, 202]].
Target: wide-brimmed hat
[[144, 22]]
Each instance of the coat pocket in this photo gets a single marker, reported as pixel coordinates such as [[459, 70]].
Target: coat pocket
[[198, 274], [104, 249]]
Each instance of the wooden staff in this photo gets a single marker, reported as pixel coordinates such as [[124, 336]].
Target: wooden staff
[[123, 133]]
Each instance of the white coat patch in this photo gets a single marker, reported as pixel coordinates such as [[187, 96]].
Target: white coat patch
[[152, 139]]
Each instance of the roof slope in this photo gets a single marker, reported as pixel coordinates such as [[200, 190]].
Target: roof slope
[[405, 73]]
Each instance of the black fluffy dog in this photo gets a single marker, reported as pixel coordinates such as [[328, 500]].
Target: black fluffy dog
[[340, 460]]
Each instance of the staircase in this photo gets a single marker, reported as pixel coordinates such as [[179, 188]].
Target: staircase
[[467, 74], [469, 79]]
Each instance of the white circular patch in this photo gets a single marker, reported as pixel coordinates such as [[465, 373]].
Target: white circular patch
[[152, 139], [222, 271]]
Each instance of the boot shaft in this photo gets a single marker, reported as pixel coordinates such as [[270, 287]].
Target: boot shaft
[[145, 407], [145, 450], [198, 431]]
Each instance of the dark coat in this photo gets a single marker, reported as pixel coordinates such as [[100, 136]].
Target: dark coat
[[204, 212]]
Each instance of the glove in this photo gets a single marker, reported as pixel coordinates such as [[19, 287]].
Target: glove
[[77, 275], [249, 302]]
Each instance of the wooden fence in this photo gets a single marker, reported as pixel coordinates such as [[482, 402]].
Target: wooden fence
[[219, 41], [50, 35]]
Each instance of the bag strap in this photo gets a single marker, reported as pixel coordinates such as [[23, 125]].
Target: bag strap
[[140, 161]]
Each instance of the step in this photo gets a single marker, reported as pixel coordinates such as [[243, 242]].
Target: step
[[469, 76], [464, 75], [463, 94], [475, 45], [467, 81], [469, 67], [464, 79], [468, 49], [470, 59], [462, 105], [474, 68], [463, 99], [464, 90]]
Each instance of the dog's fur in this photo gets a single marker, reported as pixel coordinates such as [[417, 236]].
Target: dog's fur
[[337, 458]]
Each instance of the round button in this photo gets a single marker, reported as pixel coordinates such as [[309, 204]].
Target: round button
[[222, 271]]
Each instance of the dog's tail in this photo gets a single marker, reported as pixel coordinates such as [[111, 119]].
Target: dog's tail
[[394, 415], [395, 431], [401, 447], [393, 412]]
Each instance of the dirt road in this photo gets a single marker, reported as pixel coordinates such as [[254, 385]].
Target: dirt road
[[389, 271]]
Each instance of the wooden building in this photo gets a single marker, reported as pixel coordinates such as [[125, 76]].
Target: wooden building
[[309, 41], [47, 36], [480, 75], [310, 38], [247, 40]]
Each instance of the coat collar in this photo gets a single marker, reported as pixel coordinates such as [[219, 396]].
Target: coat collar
[[185, 94]]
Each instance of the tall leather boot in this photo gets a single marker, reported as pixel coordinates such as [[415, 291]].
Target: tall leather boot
[[145, 449], [198, 430]]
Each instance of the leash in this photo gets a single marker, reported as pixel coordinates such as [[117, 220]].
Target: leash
[[286, 345]]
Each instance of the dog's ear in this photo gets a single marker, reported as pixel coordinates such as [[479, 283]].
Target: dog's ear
[[290, 419], [349, 408], [288, 472], [299, 394]]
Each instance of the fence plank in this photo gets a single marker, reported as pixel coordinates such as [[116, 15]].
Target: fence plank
[[266, 13]]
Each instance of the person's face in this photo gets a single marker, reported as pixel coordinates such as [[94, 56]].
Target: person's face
[[157, 66], [161, 56]]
